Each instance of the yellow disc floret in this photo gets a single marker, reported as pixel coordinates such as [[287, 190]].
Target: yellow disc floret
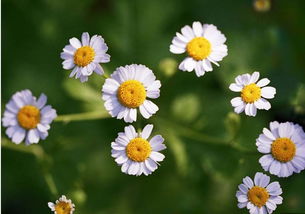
[[84, 56], [258, 196], [63, 207], [283, 149], [28, 117], [131, 93], [198, 48], [138, 149], [251, 93]]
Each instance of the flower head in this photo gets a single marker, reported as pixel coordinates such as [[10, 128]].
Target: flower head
[[204, 44], [85, 56], [62, 206], [135, 153], [128, 89], [284, 148], [259, 196], [27, 118], [253, 94]]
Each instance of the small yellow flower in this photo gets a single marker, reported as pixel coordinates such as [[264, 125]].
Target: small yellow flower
[[62, 206]]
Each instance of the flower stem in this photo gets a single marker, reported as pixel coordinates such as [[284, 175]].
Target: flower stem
[[95, 115], [194, 135], [41, 158]]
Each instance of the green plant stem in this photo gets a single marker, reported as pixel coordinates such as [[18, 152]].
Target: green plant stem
[[95, 115], [41, 158], [51, 184], [196, 136], [105, 75], [191, 134]]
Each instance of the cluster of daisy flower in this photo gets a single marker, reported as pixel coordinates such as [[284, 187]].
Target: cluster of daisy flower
[[129, 91]]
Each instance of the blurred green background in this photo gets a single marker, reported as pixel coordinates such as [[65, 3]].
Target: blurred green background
[[210, 149]]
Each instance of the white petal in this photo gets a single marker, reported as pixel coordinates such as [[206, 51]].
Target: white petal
[[147, 131], [275, 167], [150, 164], [197, 28], [261, 179], [85, 39], [68, 64], [121, 159], [157, 143], [235, 87], [207, 66], [133, 114], [156, 156], [274, 188], [133, 168], [242, 198], [268, 134], [237, 101], [19, 135], [263, 82], [99, 70], [130, 132], [239, 109], [254, 77], [75, 43], [199, 70], [42, 100], [268, 92], [33, 136], [243, 188], [176, 50], [189, 64], [262, 104], [248, 181], [187, 31], [51, 206]]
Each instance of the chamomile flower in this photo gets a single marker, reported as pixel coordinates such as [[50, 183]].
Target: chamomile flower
[[260, 196], [27, 118], [204, 44], [253, 94], [284, 148], [128, 89], [62, 206], [135, 153], [85, 56]]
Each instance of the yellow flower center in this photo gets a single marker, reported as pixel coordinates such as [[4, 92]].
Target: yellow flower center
[[131, 93], [251, 93], [84, 56], [63, 208], [258, 196], [283, 149], [199, 48], [28, 117], [138, 149]]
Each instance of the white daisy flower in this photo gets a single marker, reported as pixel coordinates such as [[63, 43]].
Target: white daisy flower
[[85, 56], [27, 118], [253, 94], [128, 89], [259, 196], [204, 44], [135, 153], [284, 148], [62, 206]]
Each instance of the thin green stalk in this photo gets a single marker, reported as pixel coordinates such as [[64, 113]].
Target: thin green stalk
[[95, 115], [41, 158], [196, 136], [51, 184], [105, 75], [191, 134]]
